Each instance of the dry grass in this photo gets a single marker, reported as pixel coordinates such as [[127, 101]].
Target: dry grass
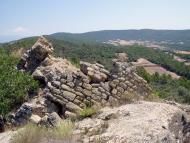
[[63, 132], [29, 134], [129, 97], [87, 112], [132, 97], [153, 97], [37, 134]]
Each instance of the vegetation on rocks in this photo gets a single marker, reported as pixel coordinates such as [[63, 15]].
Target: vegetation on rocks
[[14, 85], [166, 87], [87, 112]]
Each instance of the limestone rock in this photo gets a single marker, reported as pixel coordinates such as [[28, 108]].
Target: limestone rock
[[65, 87], [134, 123], [70, 88], [40, 50], [52, 120], [73, 107], [6, 136], [96, 72], [37, 75], [35, 119], [70, 115], [68, 95]]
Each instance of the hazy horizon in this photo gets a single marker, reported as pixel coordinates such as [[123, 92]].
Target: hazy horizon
[[5, 39], [23, 18]]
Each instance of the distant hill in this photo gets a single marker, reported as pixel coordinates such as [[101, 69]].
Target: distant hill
[[177, 39]]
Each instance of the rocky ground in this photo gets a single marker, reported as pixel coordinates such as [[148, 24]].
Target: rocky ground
[[141, 122]]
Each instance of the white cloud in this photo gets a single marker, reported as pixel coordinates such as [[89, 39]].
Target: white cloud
[[19, 29]]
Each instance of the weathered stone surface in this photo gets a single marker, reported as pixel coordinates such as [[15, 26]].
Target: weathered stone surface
[[52, 120], [56, 83], [96, 72], [73, 88], [68, 95], [7, 136], [134, 123], [37, 75], [66, 88], [97, 78], [87, 86], [40, 50], [35, 119], [22, 115], [86, 92], [71, 84], [70, 115], [114, 91], [73, 107]]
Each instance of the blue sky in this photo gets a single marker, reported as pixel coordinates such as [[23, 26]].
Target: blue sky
[[20, 18]]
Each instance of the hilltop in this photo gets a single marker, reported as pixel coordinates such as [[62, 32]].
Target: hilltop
[[105, 105]]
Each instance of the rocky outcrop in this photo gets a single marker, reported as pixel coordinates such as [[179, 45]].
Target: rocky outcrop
[[147, 122], [73, 89], [22, 115], [32, 59], [135, 123]]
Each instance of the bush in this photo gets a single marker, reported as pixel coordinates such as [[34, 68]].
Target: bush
[[167, 88], [87, 112], [75, 61], [36, 134], [14, 85]]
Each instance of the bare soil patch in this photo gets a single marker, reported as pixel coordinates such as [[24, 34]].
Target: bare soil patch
[[152, 68]]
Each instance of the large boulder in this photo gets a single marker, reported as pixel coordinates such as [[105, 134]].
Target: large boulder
[[33, 57], [51, 120], [22, 115]]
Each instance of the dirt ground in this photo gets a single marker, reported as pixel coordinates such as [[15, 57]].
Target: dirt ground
[[152, 68]]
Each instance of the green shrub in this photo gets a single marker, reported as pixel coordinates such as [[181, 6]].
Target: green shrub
[[167, 88], [87, 112], [75, 61], [14, 85]]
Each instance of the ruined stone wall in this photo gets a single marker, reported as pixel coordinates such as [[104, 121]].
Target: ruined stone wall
[[74, 89]]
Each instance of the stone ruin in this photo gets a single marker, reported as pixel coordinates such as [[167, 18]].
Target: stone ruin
[[72, 89]]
